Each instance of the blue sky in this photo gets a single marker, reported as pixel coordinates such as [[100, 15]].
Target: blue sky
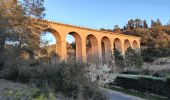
[[106, 13]]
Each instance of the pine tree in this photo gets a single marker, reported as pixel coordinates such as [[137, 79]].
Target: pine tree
[[118, 58], [158, 22], [152, 23], [17, 26], [145, 25], [133, 59]]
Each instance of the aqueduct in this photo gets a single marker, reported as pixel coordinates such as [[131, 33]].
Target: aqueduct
[[101, 42]]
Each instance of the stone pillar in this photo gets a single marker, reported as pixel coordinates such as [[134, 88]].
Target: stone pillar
[[61, 49], [112, 46], [83, 46], [123, 48], [99, 50], [78, 50], [108, 52]]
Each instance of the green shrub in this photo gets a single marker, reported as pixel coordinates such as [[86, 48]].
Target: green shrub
[[146, 72], [168, 86], [118, 58], [150, 54], [10, 73], [148, 84], [69, 78], [159, 74], [133, 59], [148, 58], [132, 72]]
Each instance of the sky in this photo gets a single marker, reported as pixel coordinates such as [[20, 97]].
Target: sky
[[106, 13]]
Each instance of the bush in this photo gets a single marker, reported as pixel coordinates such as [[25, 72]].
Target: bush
[[118, 58], [150, 54], [147, 84], [159, 74], [10, 73], [148, 58], [168, 86], [133, 59], [69, 78], [132, 72], [146, 72]]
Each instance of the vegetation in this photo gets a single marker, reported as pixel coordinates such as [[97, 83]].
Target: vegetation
[[23, 60], [146, 96], [118, 58], [72, 79], [131, 59], [150, 54], [146, 84], [155, 36]]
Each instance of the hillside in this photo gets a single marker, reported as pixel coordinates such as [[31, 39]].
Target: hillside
[[157, 35]]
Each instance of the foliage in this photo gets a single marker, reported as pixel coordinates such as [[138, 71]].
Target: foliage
[[133, 59], [131, 72], [150, 54], [118, 58], [72, 79], [17, 28], [101, 73], [143, 83], [155, 36]]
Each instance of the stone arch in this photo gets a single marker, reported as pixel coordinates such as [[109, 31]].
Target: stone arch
[[78, 42], [106, 48], [91, 47], [118, 44], [57, 37], [127, 44]]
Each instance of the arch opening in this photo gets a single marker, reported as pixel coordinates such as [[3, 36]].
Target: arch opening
[[135, 46], [106, 48], [74, 46], [127, 44], [50, 43], [118, 44], [91, 48]]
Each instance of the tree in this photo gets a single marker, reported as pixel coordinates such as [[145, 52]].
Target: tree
[[156, 23], [159, 22], [145, 25], [16, 25], [118, 58], [153, 23], [116, 26], [117, 29], [137, 23], [133, 59], [131, 24], [102, 29]]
